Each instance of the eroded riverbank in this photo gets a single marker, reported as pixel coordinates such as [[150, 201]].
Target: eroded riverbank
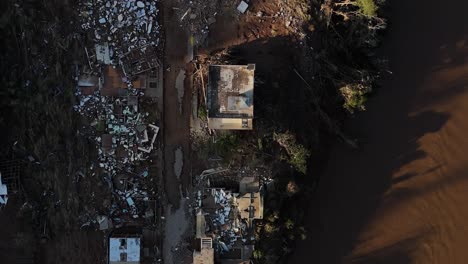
[[401, 198]]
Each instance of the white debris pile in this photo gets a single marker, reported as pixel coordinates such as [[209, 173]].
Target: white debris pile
[[87, 105], [131, 195], [123, 23], [125, 135]]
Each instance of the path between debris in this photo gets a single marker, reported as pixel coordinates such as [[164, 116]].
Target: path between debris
[[176, 118], [177, 109], [179, 162], [176, 225], [179, 85]]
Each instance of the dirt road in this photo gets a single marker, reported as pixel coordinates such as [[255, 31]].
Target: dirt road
[[177, 103], [402, 197], [177, 110]]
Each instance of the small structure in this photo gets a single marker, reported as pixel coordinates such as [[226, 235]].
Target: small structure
[[204, 252], [230, 95], [155, 131], [139, 60], [116, 84], [123, 250], [103, 53], [155, 83], [3, 192], [88, 84], [242, 7]]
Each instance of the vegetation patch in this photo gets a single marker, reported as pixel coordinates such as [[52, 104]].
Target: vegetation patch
[[355, 97], [367, 7], [297, 154]]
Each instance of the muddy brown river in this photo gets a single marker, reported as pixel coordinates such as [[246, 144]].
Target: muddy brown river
[[403, 197]]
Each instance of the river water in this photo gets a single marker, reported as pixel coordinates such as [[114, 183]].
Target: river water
[[403, 197]]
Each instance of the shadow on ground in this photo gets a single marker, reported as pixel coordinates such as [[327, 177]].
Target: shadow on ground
[[356, 183]]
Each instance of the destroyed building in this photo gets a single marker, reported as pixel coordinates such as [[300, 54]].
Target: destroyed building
[[124, 138], [139, 60], [230, 95], [123, 25], [228, 217]]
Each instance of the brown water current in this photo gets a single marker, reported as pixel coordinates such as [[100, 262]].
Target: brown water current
[[403, 197]]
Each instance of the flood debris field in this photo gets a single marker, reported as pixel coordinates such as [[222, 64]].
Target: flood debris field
[[83, 109], [105, 160]]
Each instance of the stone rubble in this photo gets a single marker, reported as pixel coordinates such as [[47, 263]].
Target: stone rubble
[[125, 24], [124, 32]]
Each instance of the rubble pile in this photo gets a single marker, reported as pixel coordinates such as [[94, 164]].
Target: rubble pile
[[134, 197], [125, 24], [125, 135], [224, 221], [133, 200], [88, 104]]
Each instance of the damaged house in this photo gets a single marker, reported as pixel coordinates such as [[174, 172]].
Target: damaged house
[[227, 217], [140, 60], [230, 95]]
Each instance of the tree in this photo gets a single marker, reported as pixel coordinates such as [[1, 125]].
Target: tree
[[360, 16], [297, 153], [355, 96]]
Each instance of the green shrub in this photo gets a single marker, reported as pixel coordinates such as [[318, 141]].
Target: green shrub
[[202, 113], [226, 144], [355, 97], [297, 153], [367, 7], [258, 254]]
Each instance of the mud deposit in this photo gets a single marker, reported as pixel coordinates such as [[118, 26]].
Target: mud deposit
[[402, 198]]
